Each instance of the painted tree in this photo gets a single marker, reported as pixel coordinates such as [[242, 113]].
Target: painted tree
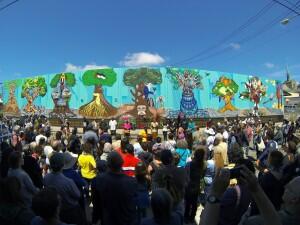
[[255, 90], [11, 107], [99, 106], [138, 80], [31, 89], [226, 88], [188, 80], [61, 94]]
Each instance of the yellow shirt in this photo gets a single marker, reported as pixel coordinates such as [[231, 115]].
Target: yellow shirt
[[143, 134], [87, 164]]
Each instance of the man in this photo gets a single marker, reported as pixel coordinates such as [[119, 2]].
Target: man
[[105, 136], [114, 195], [41, 135], [70, 210], [113, 126], [90, 135]]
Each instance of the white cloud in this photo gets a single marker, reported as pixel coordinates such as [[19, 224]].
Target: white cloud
[[73, 68], [142, 59], [269, 65], [235, 46]]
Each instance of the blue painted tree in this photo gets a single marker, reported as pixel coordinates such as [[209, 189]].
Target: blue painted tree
[[188, 80]]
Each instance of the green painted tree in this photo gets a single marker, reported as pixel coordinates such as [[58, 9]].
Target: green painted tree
[[137, 79], [61, 94], [11, 107], [98, 107], [226, 88], [31, 89]]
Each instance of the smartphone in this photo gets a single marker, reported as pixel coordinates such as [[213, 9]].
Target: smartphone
[[235, 172]]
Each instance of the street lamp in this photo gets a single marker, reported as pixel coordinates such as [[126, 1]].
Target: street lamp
[[285, 21]]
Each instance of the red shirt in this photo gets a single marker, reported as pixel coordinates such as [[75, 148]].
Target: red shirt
[[122, 154], [130, 162]]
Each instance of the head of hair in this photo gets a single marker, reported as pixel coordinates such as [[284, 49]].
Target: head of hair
[[74, 131], [114, 161], [124, 142], [158, 140], [129, 149], [45, 203], [42, 141], [199, 154], [270, 134], [161, 199], [144, 146], [149, 137], [171, 136], [141, 171], [275, 159], [166, 157], [58, 135], [15, 159], [118, 136], [182, 143], [139, 139], [176, 158], [292, 147], [87, 148]]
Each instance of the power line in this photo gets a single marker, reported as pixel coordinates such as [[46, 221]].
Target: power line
[[250, 21], [8, 5], [291, 9]]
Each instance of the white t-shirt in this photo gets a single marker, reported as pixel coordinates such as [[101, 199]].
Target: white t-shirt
[[112, 124], [38, 137]]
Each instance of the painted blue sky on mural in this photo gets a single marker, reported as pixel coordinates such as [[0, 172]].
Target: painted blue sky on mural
[[39, 37]]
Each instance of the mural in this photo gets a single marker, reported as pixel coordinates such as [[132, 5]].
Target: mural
[[61, 94], [98, 107], [255, 90], [143, 93], [188, 80], [226, 88], [12, 106], [143, 81], [31, 89]]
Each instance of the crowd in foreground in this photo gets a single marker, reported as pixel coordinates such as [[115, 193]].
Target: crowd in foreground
[[242, 172]]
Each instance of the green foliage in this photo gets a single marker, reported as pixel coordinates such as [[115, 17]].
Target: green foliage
[[132, 77], [69, 79], [36, 83], [90, 78], [225, 86], [16, 83]]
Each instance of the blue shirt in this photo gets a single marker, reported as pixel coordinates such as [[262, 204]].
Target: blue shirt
[[184, 155]]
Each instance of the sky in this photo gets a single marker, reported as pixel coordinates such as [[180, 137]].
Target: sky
[[40, 37]]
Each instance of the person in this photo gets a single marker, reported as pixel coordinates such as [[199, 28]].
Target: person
[[27, 187], [278, 137], [155, 164], [105, 136], [113, 126], [117, 142], [290, 151], [171, 177], [180, 133], [114, 195], [90, 134], [5, 152], [143, 199], [210, 141], [195, 171], [70, 210], [219, 149], [130, 161], [46, 204], [137, 145], [87, 164], [236, 199], [170, 144], [127, 128], [40, 135], [165, 130], [161, 199], [271, 181], [154, 128], [210, 214], [74, 142], [12, 208], [183, 152]]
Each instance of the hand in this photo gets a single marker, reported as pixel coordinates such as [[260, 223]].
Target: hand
[[249, 179], [220, 183]]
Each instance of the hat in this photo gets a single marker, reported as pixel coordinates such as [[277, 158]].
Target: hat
[[69, 160], [210, 131], [57, 161]]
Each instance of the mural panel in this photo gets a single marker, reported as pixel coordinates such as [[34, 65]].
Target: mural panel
[[143, 92]]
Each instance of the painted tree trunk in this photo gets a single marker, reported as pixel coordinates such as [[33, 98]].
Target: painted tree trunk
[[141, 108], [30, 107], [98, 107], [228, 105], [11, 107]]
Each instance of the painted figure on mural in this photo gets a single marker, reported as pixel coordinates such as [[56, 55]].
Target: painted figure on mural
[[255, 91], [61, 94], [188, 80], [11, 107]]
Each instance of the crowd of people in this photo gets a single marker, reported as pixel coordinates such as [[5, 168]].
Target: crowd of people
[[239, 172]]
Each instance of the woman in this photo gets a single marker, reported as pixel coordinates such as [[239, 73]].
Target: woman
[[183, 151], [87, 164], [195, 170], [127, 127]]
